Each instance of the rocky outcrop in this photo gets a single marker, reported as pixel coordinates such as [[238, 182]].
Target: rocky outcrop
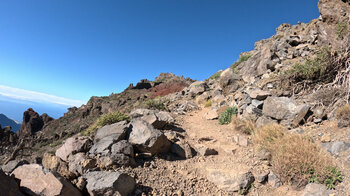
[[107, 136], [230, 81], [145, 138], [34, 180], [32, 122], [109, 183], [72, 146]]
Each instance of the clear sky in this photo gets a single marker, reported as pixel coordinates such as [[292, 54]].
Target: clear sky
[[79, 48]]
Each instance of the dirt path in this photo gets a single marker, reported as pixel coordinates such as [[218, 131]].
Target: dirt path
[[231, 160], [205, 175]]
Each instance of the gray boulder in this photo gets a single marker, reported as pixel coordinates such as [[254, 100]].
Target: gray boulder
[[8, 185], [123, 147], [158, 119], [109, 183], [231, 182], [145, 138], [229, 81], [258, 94], [107, 136], [335, 148], [122, 154], [280, 108], [12, 165], [73, 145], [313, 189], [197, 88]]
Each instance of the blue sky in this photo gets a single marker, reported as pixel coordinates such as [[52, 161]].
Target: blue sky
[[80, 48]]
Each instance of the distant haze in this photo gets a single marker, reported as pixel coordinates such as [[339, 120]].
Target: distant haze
[[14, 109]]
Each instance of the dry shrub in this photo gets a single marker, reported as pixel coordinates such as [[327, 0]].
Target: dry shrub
[[328, 95], [246, 126], [296, 159], [208, 104], [267, 135], [343, 113]]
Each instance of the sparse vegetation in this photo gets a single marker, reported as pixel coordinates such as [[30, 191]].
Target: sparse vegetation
[[246, 126], [226, 116], [208, 104], [242, 59], [216, 75], [296, 159], [343, 113], [106, 119], [341, 29], [156, 104], [312, 69]]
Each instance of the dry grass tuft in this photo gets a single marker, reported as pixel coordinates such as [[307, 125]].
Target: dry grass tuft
[[296, 160], [266, 136], [246, 126], [343, 113]]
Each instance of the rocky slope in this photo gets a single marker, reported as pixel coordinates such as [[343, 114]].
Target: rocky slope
[[294, 85]]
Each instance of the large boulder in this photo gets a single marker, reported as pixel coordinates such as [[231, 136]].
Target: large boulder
[[79, 163], [107, 136], [8, 185], [122, 154], [229, 81], [279, 108], [231, 181], [148, 139], [54, 163], [73, 145], [109, 183], [258, 94], [158, 119], [197, 88], [35, 180]]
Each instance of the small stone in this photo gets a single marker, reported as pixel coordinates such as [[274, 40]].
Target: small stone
[[326, 138], [206, 151], [274, 181], [241, 140]]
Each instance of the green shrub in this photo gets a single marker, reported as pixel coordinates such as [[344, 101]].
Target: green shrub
[[106, 119], [242, 59], [156, 104], [341, 29], [312, 69], [216, 75], [226, 116]]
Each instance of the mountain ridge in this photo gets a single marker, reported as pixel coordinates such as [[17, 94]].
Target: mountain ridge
[[5, 121]]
